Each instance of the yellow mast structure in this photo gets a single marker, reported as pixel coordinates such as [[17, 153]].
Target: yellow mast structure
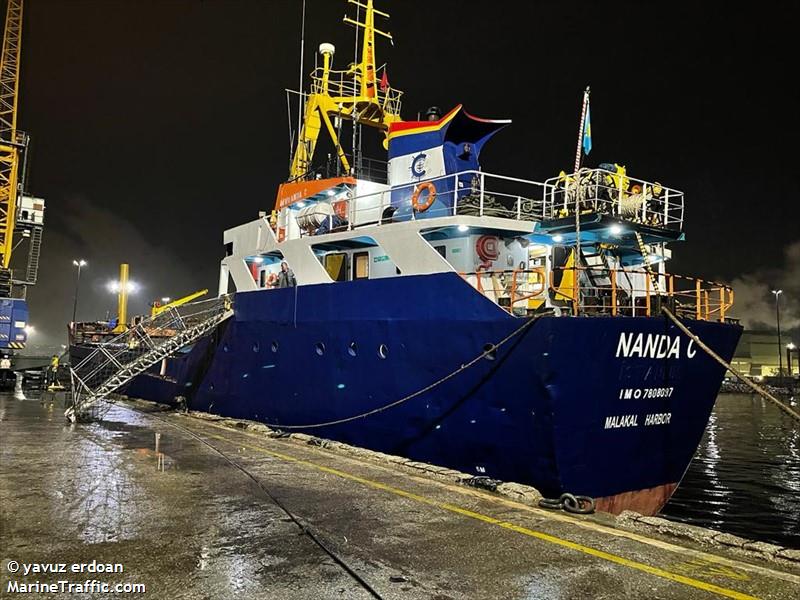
[[352, 94], [9, 142], [122, 300]]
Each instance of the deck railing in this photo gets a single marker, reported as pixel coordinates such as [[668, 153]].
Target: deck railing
[[603, 192], [516, 290], [634, 292], [610, 292], [469, 193], [346, 84]]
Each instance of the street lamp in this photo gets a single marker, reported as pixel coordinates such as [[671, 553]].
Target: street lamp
[[778, 321], [80, 263]]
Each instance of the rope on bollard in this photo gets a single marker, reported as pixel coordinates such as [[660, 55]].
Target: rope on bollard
[[572, 503]]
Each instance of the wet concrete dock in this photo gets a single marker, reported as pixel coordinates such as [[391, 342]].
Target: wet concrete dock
[[162, 494]]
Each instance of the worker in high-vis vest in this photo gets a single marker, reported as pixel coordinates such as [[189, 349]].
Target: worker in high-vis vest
[[52, 373]]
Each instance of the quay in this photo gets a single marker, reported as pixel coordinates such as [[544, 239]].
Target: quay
[[192, 508]]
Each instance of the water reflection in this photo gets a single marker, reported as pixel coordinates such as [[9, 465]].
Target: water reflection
[[745, 476], [102, 487]]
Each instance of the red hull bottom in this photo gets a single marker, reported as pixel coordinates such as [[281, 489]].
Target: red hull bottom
[[647, 501]]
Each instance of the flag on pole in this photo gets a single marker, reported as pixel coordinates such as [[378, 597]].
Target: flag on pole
[[384, 85], [587, 132]]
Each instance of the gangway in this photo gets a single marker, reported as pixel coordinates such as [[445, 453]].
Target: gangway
[[115, 362]]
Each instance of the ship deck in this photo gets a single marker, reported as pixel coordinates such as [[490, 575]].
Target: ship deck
[[168, 496]]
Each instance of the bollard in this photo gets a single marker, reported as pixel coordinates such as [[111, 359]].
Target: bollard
[[18, 393]]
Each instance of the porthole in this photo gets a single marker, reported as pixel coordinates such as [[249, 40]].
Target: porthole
[[383, 351], [256, 347], [274, 346], [490, 351], [225, 347], [352, 349], [320, 348]]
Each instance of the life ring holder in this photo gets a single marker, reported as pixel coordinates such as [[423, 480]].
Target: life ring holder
[[429, 199]]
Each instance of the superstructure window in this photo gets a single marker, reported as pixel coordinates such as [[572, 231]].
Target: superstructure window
[[336, 265], [361, 265]]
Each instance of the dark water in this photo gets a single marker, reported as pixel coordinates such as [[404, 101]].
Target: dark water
[[745, 477]]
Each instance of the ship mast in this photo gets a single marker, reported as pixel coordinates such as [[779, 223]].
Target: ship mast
[[351, 94]]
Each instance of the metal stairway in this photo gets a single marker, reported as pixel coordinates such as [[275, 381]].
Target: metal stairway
[[32, 272], [115, 362]]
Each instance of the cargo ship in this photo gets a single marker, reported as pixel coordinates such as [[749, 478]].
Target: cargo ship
[[501, 326]]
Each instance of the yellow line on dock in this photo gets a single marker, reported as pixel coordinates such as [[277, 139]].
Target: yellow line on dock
[[658, 572]]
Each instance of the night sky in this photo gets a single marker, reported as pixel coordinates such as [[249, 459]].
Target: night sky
[[156, 125]]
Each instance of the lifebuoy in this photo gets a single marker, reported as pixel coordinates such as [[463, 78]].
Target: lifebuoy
[[272, 279], [415, 203]]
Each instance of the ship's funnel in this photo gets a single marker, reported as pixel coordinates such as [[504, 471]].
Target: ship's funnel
[[425, 150]]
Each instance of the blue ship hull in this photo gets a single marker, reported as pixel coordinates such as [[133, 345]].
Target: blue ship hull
[[567, 404]]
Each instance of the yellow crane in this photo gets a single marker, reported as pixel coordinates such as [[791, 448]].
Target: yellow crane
[[11, 140], [353, 94], [159, 308]]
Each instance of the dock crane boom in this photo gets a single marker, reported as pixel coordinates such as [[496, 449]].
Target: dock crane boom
[[10, 139], [21, 216]]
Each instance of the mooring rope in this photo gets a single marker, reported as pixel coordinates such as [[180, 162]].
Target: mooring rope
[[419, 392], [741, 376]]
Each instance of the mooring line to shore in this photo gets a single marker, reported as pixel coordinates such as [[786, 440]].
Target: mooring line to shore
[[491, 349], [741, 376]]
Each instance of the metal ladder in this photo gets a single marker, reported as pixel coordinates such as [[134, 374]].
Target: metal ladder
[[115, 362], [32, 272]]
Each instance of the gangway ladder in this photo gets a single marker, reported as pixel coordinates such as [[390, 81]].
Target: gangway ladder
[[598, 270], [115, 362]]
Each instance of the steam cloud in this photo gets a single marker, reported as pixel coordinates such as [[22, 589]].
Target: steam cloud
[[81, 228], [754, 302]]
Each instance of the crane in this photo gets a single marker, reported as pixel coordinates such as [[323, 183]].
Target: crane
[[10, 139], [158, 307], [21, 216]]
